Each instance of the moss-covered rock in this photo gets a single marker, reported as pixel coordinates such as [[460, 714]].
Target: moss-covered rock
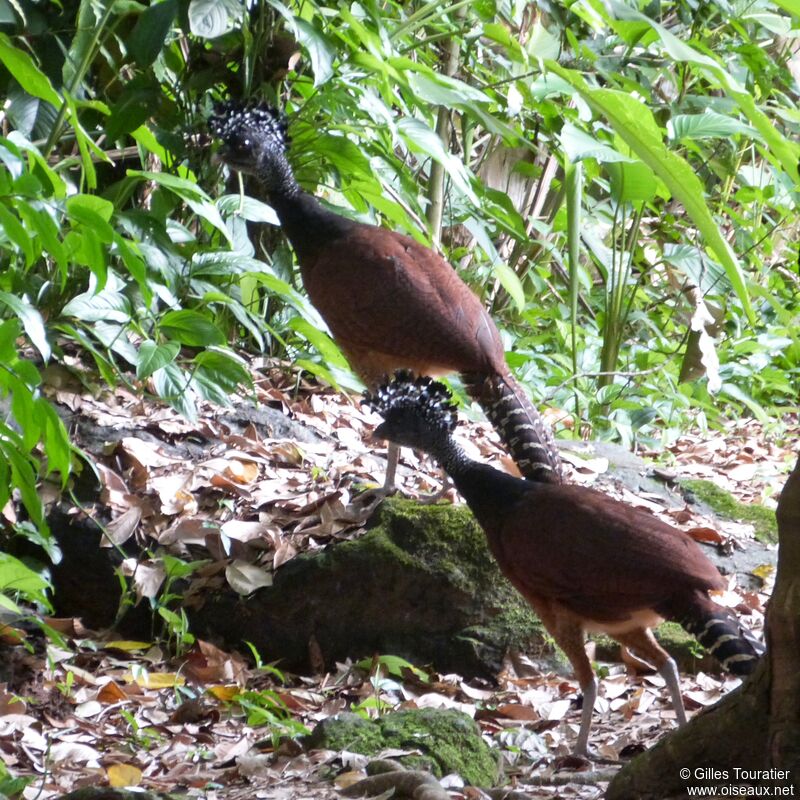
[[420, 584], [346, 731], [448, 741], [726, 505]]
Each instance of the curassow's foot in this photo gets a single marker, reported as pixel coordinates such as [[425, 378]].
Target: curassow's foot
[[444, 493], [364, 505]]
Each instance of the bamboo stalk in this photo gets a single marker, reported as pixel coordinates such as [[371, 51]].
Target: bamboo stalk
[[573, 173], [435, 210]]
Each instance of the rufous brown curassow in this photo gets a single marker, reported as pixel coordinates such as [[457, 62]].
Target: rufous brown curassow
[[389, 301], [583, 560]]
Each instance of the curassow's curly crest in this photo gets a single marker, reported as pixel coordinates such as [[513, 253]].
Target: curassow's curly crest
[[417, 412], [409, 396], [248, 132]]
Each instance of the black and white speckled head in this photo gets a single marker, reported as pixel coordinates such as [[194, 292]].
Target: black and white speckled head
[[254, 140], [417, 412]]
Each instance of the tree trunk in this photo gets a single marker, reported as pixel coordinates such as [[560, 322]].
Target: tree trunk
[[783, 635], [754, 728]]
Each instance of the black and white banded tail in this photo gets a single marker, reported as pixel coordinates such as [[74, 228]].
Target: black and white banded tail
[[523, 431], [722, 635]]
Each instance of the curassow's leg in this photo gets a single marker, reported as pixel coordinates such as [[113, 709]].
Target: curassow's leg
[[643, 644], [568, 634], [363, 506]]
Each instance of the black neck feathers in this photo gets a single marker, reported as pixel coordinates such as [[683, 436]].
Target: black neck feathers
[[490, 493], [275, 174], [308, 225]]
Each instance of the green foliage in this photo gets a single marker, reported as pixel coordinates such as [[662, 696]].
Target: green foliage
[[33, 444], [176, 634], [392, 665], [16, 579], [683, 126], [141, 737], [10, 786], [384, 669], [122, 247], [267, 707]]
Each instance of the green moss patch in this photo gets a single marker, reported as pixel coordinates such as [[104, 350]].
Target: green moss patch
[[447, 741], [723, 503]]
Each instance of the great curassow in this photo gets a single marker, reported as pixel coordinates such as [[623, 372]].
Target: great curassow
[[389, 301], [584, 561]]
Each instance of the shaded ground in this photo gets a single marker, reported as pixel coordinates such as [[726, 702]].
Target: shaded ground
[[222, 491]]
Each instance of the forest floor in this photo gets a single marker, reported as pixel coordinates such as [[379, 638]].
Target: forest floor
[[91, 710]]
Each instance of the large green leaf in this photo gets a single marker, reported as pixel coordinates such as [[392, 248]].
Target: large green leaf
[[23, 477], [708, 125], [510, 282], [319, 50], [56, 441], [439, 90], [210, 19], [92, 212], [632, 183], [134, 106], [16, 577], [151, 29], [58, 184], [190, 193], [227, 370], [108, 304], [31, 320], [218, 374], [26, 73], [635, 125], [17, 234], [191, 328], [174, 385], [154, 356], [578, 145], [792, 6], [249, 208], [321, 341], [422, 139]]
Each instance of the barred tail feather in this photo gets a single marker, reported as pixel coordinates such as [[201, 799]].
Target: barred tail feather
[[523, 431], [722, 635]]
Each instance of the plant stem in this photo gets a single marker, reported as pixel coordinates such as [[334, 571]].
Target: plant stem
[[609, 350], [55, 131], [573, 173], [435, 210], [418, 17]]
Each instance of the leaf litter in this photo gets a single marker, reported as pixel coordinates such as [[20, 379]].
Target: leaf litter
[[102, 711]]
